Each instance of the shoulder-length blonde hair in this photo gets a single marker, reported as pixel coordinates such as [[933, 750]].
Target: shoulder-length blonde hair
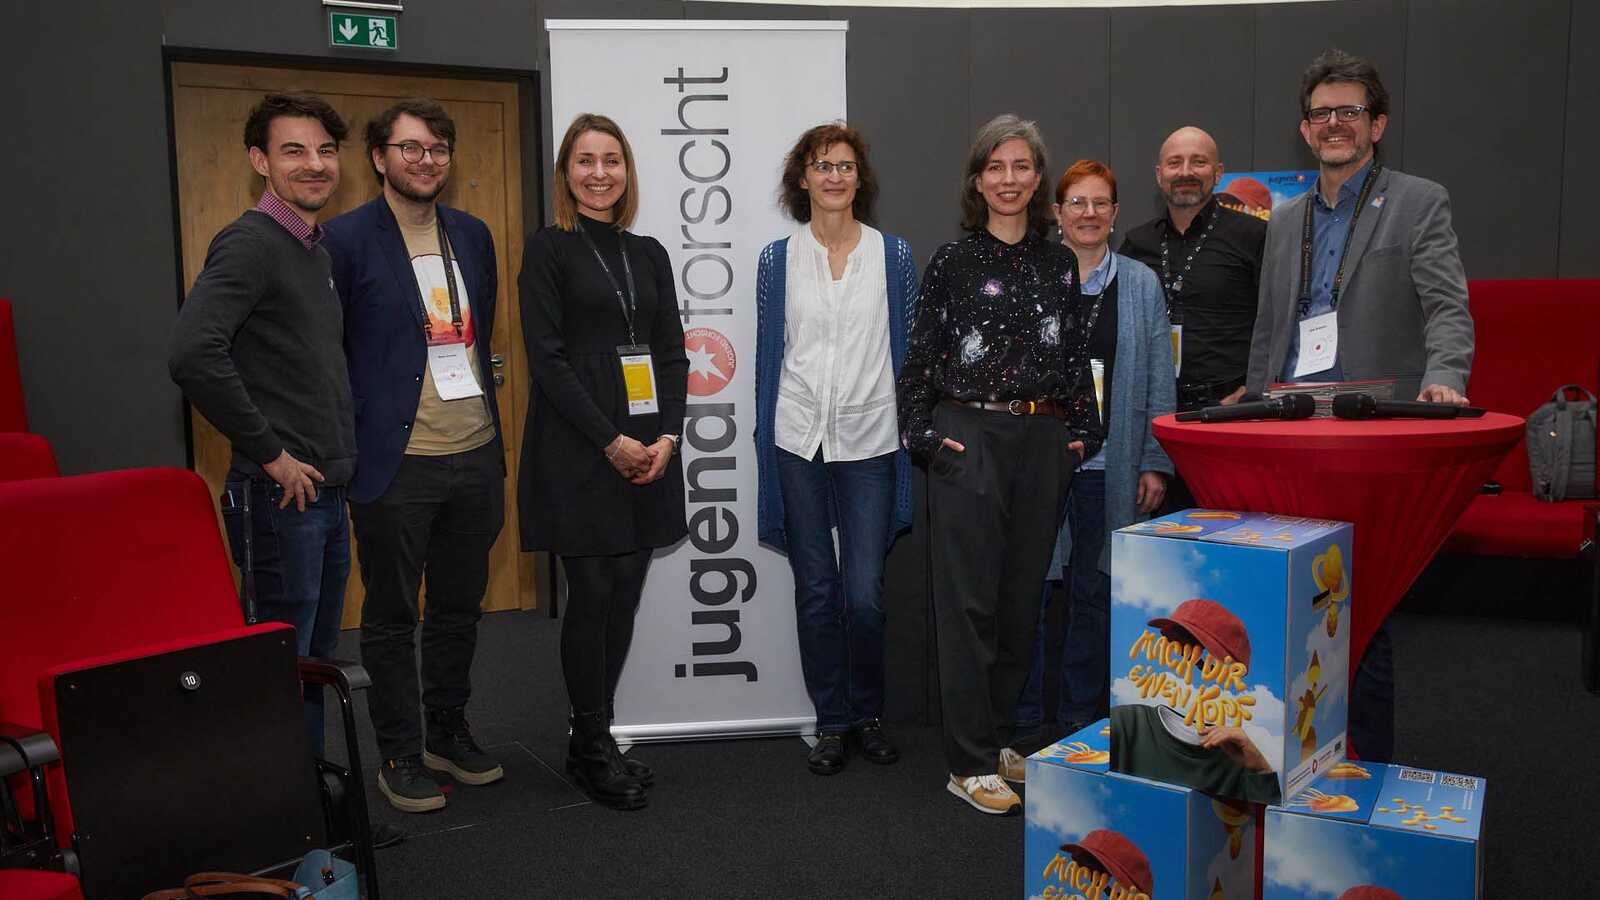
[[566, 206]]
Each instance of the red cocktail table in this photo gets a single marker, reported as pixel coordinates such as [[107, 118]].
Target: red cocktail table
[[1402, 482]]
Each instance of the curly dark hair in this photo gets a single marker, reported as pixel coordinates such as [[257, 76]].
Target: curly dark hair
[[1002, 128], [381, 128], [792, 195], [273, 106], [1335, 65]]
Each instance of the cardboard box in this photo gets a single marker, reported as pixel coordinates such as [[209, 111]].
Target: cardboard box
[[1369, 831], [1230, 636], [1094, 834]]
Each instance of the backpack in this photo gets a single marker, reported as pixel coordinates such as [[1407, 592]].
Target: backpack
[[1561, 447]]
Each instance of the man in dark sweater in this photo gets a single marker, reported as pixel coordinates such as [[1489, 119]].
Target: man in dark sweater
[[258, 349]]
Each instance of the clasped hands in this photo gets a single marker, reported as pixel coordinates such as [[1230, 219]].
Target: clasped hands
[[635, 461]]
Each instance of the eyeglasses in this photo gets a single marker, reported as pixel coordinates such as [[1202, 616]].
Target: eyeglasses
[[825, 168], [1080, 206], [412, 152], [1322, 114]]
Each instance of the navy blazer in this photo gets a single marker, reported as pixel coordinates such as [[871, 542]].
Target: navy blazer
[[384, 342]]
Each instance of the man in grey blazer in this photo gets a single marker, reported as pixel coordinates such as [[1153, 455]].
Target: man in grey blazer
[[1362, 279], [1399, 308]]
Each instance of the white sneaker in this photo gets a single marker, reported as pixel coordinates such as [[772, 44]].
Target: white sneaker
[[1013, 767], [987, 794]]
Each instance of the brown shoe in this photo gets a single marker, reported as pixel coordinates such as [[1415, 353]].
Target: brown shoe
[[987, 794], [1013, 766]]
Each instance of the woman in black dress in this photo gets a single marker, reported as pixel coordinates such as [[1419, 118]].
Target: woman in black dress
[[600, 483]]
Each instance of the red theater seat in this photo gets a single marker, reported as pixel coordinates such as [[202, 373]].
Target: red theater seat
[[1532, 337], [13, 413], [33, 884], [25, 455]]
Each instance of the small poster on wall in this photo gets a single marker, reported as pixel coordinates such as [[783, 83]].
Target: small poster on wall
[[1258, 193]]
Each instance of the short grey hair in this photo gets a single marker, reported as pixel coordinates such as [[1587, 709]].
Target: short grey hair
[[998, 130]]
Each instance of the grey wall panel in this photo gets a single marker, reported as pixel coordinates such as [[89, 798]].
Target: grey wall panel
[[1485, 99], [488, 33], [1289, 36], [1174, 67], [1580, 189], [908, 83], [1052, 66], [88, 259]]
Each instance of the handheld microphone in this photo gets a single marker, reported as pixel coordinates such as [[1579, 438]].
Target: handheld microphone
[[1289, 406], [1365, 406]]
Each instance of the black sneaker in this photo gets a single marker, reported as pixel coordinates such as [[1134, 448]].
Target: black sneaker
[[828, 756], [450, 748], [875, 747], [408, 785]]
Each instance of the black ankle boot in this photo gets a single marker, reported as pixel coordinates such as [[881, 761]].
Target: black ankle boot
[[637, 768], [596, 766]]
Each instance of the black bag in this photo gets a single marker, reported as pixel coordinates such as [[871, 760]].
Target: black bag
[[1561, 447]]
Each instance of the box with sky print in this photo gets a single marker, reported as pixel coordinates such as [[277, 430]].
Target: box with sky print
[[1092, 834], [1230, 637], [1369, 831]]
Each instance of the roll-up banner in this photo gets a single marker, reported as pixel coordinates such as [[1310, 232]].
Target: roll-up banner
[[710, 109]]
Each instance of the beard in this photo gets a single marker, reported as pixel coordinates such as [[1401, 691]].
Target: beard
[[415, 196], [1183, 195]]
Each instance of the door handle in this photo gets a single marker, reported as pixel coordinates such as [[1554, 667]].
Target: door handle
[[497, 361]]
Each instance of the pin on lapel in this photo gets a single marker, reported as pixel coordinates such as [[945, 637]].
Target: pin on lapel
[[1377, 203]]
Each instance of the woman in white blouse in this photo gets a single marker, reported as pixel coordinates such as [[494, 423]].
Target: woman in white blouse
[[834, 302]]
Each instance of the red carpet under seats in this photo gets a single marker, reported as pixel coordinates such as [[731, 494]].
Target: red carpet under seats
[[103, 565], [13, 412], [1532, 336], [32, 884], [25, 455]]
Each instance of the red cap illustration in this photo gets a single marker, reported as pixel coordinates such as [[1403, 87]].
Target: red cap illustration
[[1370, 892], [1118, 856], [1217, 630]]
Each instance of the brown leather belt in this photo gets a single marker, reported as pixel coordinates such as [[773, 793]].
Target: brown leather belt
[[1045, 407]]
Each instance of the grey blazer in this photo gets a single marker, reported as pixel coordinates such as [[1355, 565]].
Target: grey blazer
[[1403, 307]]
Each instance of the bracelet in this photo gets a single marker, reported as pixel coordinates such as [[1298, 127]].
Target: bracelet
[[612, 456]]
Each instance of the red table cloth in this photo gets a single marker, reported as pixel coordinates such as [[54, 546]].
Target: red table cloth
[[1403, 483]]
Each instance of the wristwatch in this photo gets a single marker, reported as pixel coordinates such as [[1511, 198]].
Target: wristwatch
[[673, 438]]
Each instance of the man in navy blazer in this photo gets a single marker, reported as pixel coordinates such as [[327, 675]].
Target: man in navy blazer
[[428, 497]]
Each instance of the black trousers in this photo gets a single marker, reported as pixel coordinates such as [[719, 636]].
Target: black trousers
[[597, 629], [994, 511], [439, 518], [1371, 720]]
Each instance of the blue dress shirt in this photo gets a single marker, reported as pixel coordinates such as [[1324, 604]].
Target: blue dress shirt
[[1329, 226]]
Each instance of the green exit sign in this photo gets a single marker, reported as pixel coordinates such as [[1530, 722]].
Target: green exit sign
[[356, 30]]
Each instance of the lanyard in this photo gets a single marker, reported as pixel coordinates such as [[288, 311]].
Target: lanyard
[[449, 281], [1307, 235], [628, 302], [1173, 287]]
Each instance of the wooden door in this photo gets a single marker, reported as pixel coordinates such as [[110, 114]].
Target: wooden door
[[216, 184]]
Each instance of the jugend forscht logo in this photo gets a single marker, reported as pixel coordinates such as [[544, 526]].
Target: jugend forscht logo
[[711, 361]]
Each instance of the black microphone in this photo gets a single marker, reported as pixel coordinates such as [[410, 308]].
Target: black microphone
[[1366, 406], [1289, 406]]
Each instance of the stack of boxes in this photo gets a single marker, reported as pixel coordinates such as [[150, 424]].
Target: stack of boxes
[[1230, 637]]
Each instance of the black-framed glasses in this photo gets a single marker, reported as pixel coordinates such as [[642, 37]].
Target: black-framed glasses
[[824, 168], [1321, 115], [1081, 205], [412, 152]]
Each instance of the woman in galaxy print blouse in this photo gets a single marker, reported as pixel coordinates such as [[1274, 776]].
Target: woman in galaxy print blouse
[[996, 395]]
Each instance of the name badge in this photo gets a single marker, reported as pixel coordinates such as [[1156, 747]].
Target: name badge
[[1319, 344], [451, 368], [639, 378], [1177, 350]]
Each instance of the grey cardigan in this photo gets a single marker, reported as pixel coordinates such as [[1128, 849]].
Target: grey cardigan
[[1142, 387]]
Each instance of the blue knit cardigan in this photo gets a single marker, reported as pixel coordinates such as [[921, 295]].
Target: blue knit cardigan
[[771, 291]]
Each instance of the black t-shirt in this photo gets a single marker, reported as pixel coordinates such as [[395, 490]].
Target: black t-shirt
[[1217, 299], [1103, 341]]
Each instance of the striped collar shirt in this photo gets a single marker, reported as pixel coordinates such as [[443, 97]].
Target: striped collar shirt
[[284, 215]]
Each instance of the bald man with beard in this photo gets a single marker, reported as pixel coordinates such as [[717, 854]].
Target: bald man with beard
[[1208, 258]]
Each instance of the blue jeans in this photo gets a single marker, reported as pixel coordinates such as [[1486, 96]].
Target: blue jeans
[[297, 567], [1086, 653], [839, 600]]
